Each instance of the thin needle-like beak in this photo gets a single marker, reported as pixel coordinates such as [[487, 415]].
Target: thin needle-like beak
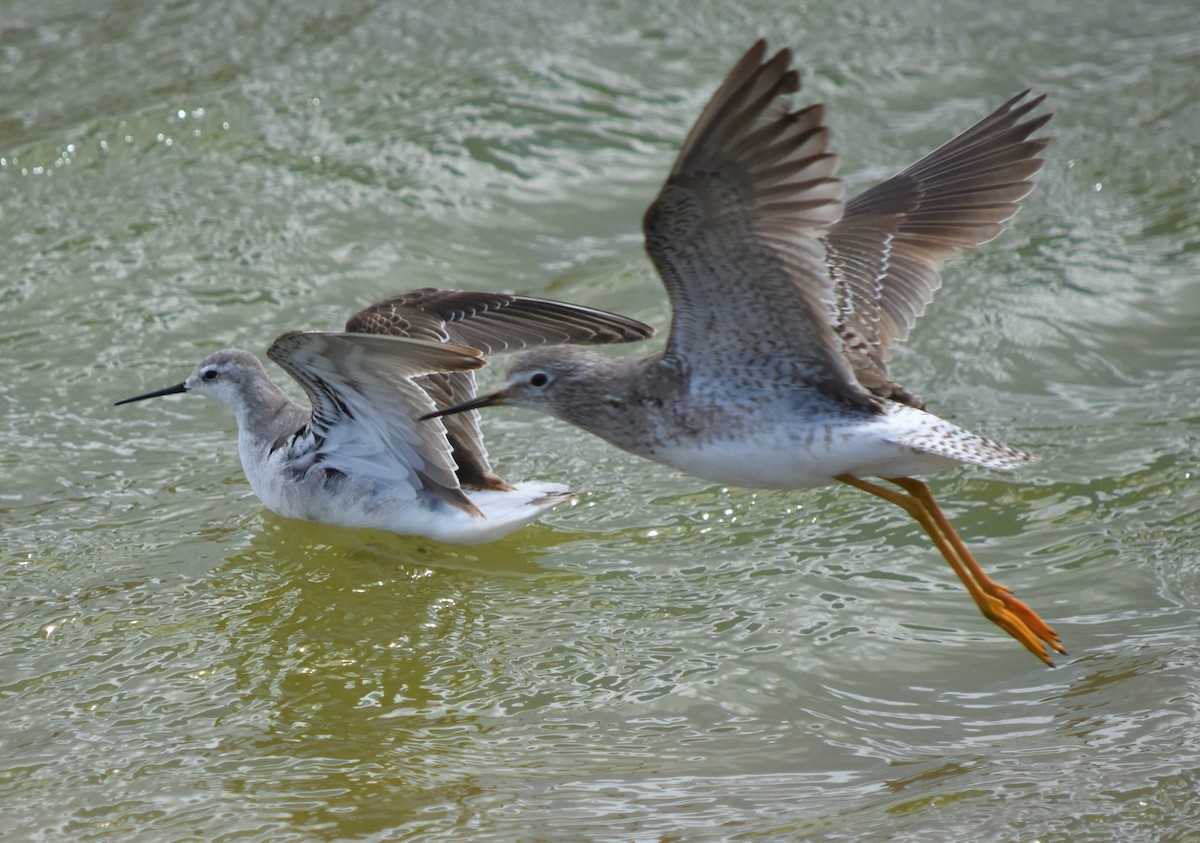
[[169, 390], [483, 401]]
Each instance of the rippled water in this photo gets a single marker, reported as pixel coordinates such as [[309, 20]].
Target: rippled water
[[666, 660]]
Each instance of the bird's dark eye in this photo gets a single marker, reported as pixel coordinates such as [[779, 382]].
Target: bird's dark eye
[[539, 379], [209, 374]]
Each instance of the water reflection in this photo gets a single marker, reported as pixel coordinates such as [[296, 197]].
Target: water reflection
[[359, 667]]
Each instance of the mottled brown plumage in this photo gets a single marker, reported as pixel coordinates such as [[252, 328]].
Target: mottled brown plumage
[[886, 251]]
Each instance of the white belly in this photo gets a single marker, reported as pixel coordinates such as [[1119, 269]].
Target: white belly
[[399, 506], [814, 453]]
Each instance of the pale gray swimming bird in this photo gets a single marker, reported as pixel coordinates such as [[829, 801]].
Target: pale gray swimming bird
[[786, 303], [358, 457]]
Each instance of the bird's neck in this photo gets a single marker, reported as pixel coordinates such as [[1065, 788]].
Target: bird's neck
[[265, 413]]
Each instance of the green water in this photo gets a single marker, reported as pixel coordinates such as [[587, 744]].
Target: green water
[[666, 660]]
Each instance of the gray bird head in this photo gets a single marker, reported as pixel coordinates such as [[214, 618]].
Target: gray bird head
[[229, 375], [560, 381]]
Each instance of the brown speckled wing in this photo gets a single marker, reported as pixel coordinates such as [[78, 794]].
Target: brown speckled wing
[[736, 236], [887, 250], [494, 322]]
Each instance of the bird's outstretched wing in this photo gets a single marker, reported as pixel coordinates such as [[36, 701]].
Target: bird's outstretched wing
[[366, 406], [887, 250], [736, 234], [494, 322], [491, 323]]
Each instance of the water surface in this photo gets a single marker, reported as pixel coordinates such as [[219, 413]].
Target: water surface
[[666, 660]]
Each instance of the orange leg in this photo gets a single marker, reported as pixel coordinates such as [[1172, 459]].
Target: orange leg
[[995, 601]]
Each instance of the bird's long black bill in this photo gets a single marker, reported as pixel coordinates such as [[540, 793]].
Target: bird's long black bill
[[169, 390], [482, 401]]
